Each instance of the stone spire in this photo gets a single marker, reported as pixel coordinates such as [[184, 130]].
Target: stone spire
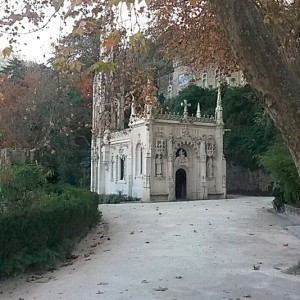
[[132, 115], [198, 114], [219, 109], [148, 100]]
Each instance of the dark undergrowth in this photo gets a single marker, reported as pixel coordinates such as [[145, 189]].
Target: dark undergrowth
[[40, 222]]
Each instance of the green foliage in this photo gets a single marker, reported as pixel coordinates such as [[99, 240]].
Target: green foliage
[[67, 153], [15, 68], [73, 96], [116, 198], [41, 229], [70, 162], [21, 186], [251, 130], [278, 161], [194, 94], [102, 66]]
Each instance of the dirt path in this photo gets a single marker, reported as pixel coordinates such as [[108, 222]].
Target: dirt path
[[225, 249]]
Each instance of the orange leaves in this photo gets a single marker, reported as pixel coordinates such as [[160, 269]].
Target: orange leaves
[[85, 86], [112, 40], [194, 2], [6, 52], [194, 35]]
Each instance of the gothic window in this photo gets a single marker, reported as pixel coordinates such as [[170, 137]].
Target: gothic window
[[139, 160], [122, 168], [181, 152], [170, 88], [183, 79]]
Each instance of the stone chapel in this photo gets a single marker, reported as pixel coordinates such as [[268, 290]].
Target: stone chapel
[[159, 157]]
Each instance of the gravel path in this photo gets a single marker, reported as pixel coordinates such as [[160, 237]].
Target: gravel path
[[218, 249]]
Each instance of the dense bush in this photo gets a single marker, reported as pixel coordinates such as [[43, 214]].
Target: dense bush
[[116, 198], [278, 161], [40, 227]]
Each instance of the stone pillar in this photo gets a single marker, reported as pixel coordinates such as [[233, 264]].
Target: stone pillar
[[147, 177], [130, 169], [204, 189], [148, 166], [170, 170], [224, 187], [219, 162]]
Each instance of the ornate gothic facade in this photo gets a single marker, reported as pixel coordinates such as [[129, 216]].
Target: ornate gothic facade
[[160, 157]]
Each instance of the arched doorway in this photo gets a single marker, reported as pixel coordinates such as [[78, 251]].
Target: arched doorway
[[180, 184]]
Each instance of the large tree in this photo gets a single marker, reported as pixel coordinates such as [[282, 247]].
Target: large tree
[[261, 37], [266, 64]]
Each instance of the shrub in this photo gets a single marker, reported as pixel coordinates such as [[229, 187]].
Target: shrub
[[21, 185], [116, 198], [278, 161], [42, 228]]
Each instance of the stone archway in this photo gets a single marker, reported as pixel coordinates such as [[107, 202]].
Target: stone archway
[[180, 184]]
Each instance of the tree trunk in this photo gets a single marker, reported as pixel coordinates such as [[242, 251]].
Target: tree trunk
[[264, 67]]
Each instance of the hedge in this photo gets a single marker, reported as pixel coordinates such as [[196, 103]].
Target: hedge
[[42, 234], [116, 198]]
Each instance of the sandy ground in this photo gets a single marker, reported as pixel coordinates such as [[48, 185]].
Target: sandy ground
[[218, 249]]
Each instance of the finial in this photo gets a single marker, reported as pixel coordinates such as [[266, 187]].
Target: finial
[[133, 107], [198, 114], [219, 109], [219, 99], [132, 115]]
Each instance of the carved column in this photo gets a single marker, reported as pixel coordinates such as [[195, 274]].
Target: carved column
[[130, 169], [170, 169], [204, 192], [148, 166]]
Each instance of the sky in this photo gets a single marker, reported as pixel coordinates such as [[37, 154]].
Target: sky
[[38, 47]]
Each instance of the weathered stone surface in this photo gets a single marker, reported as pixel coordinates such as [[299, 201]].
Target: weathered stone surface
[[249, 182], [162, 157]]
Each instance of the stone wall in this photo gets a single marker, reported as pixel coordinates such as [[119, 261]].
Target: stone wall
[[244, 181], [12, 156]]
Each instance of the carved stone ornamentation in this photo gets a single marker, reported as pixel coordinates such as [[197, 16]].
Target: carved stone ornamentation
[[210, 147], [181, 159], [160, 147], [160, 156], [158, 165], [210, 167]]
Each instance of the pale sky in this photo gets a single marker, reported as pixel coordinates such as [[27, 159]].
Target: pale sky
[[37, 46]]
